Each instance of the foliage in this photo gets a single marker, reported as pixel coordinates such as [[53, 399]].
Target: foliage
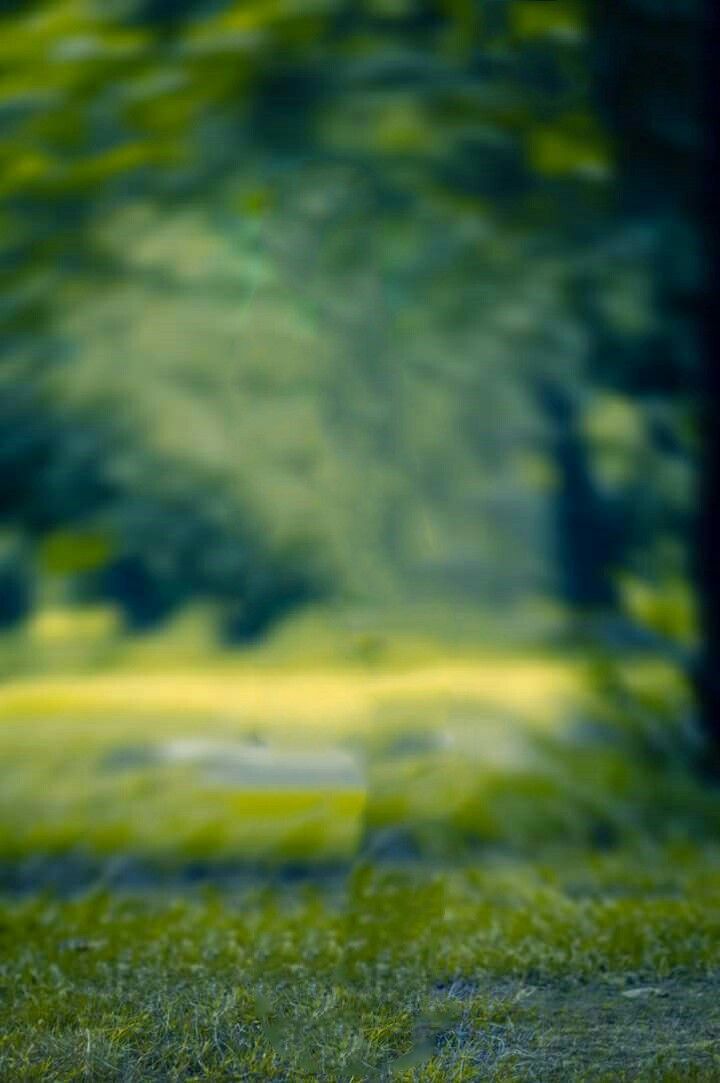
[[319, 300]]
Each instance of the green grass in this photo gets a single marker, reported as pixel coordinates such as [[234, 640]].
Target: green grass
[[82, 766], [452, 757], [507, 896], [607, 968]]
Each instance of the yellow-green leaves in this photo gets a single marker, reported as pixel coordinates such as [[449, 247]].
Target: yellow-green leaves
[[546, 19], [572, 146], [65, 551]]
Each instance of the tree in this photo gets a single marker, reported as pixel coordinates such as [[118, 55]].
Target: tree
[[431, 184], [655, 78], [708, 531]]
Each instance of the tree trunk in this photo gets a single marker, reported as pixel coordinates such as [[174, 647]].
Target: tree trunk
[[708, 521], [649, 56]]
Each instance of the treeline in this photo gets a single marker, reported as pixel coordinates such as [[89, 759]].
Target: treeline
[[391, 297]]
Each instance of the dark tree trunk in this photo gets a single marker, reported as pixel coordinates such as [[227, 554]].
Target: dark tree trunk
[[656, 70], [708, 528], [587, 539]]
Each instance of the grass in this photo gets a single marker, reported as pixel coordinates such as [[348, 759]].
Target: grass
[[505, 972], [333, 699], [79, 772], [503, 896]]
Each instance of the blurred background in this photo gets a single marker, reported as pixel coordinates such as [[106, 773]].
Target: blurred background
[[350, 428]]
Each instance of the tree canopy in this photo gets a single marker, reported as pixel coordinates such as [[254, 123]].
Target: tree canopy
[[340, 298]]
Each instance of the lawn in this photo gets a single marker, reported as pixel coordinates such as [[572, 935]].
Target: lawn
[[91, 761], [422, 870], [586, 969]]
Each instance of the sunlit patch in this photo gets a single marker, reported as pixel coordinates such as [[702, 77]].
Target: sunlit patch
[[330, 698], [243, 762], [64, 625]]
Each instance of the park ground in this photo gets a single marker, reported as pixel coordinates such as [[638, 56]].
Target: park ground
[[505, 884]]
